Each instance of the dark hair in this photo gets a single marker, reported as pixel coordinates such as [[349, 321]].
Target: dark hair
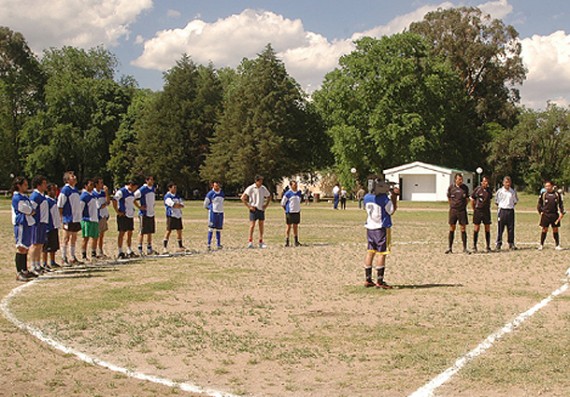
[[97, 179], [147, 177], [86, 181], [258, 177], [38, 180], [458, 175], [17, 182], [548, 181], [51, 186], [170, 184], [486, 177]]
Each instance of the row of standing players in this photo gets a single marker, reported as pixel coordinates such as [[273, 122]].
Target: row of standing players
[[550, 207], [38, 218]]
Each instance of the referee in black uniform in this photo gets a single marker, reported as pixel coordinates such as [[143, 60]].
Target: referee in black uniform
[[481, 205], [458, 197]]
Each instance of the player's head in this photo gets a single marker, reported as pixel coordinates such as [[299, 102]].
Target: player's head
[[258, 180], [172, 187], [132, 185], [69, 178], [293, 185], [98, 183], [39, 182], [549, 186], [19, 184], [216, 185], [149, 180], [52, 190], [88, 184], [507, 182], [485, 182], [458, 179]]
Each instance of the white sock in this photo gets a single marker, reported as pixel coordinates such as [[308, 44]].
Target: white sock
[[72, 251]]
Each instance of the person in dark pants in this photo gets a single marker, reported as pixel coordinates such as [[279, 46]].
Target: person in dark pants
[[481, 205], [458, 197], [336, 196], [549, 202], [506, 199]]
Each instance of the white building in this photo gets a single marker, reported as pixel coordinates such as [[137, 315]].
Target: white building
[[426, 182]]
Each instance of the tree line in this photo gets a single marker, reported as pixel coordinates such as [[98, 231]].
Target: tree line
[[440, 92]]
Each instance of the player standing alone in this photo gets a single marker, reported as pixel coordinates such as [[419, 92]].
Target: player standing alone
[[214, 203], [549, 202], [457, 196], [380, 209], [256, 198], [481, 205], [291, 202]]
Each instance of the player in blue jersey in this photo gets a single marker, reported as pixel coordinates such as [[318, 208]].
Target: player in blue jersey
[[70, 211], [124, 205], [146, 197], [380, 207], [214, 203], [89, 219], [41, 217], [173, 204], [291, 203], [22, 219], [52, 241], [101, 191]]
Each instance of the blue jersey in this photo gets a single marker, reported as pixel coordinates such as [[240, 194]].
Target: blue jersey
[[214, 201], [54, 218], [169, 201], [41, 207], [69, 201], [291, 201], [145, 194], [379, 209], [22, 210], [89, 207], [125, 198]]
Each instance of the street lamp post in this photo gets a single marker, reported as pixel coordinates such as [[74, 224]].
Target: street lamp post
[[479, 171]]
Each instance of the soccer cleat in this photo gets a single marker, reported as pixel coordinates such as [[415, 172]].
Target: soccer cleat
[[475, 250], [466, 251], [209, 247], [488, 249], [55, 265], [75, 261], [152, 252], [558, 248], [262, 245], [47, 268], [250, 245], [165, 251], [369, 283], [132, 255], [23, 276], [383, 285], [65, 262], [298, 244], [219, 246], [122, 255], [513, 247], [37, 271], [497, 247], [540, 247], [449, 251], [287, 243]]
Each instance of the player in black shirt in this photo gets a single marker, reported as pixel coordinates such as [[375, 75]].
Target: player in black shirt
[[458, 197], [481, 205], [549, 202]]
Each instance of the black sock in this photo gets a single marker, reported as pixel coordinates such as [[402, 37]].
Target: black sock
[[380, 271], [368, 273], [542, 238], [21, 260], [165, 243], [179, 243], [93, 253], [296, 239], [84, 254], [475, 238], [464, 239], [556, 238], [451, 237], [488, 239], [140, 247]]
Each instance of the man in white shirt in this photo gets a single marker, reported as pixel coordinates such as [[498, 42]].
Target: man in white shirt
[[256, 198], [336, 196], [506, 199]]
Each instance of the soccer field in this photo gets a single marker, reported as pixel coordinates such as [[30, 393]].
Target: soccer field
[[297, 321]]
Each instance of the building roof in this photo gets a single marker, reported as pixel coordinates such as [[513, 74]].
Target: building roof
[[435, 168]]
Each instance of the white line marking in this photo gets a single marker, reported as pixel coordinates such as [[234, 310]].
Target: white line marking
[[429, 388], [189, 387]]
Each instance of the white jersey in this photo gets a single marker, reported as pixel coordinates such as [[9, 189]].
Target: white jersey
[[102, 200], [257, 196]]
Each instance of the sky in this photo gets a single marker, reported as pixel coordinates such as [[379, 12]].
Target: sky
[[149, 36]]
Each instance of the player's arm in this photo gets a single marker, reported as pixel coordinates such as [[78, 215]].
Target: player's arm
[[266, 201], [561, 207], [245, 200], [25, 208], [284, 200], [207, 202], [394, 198]]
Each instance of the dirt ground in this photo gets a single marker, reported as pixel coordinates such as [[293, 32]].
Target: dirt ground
[[296, 321]]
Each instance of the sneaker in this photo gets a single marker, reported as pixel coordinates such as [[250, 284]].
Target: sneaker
[[181, 249], [75, 261], [558, 248], [122, 255], [219, 246], [449, 251], [369, 283], [209, 247], [24, 276], [383, 285], [298, 244], [55, 265], [466, 251], [152, 252], [262, 245], [47, 268], [475, 250], [513, 247], [287, 243], [38, 271], [488, 249], [497, 247], [165, 251], [250, 245], [66, 262], [30, 274], [540, 248], [132, 255]]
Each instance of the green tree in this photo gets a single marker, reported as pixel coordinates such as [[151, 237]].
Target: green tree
[[486, 54], [21, 91], [174, 130], [535, 149], [392, 101], [266, 127], [83, 110]]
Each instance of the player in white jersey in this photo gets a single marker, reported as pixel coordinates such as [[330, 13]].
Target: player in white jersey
[[256, 198], [214, 203], [173, 204], [146, 197], [102, 193], [70, 211], [291, 203]]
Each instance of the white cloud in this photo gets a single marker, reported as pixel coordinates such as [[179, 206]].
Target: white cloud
[[139, 39], [497, 9], [547, 59], [173, 13], [71, 22]]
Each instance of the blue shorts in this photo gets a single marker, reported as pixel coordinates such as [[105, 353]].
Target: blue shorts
[[23, 236], [216, 220], [39, 233], [256, 215], [379, 240]]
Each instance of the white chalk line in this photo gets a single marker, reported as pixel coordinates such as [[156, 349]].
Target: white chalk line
[[429, 388], [185, 386]]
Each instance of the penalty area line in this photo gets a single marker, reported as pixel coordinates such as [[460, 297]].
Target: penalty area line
[[429, 388], [189, 387]]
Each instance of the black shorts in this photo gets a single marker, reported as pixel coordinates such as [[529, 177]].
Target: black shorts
[[548, 219], [482, 216], [147, 224], [125, 224], [173, 223], [72, 227], [257, 215], [52, 241], [457, 216], [293, 218], [379, 240]]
